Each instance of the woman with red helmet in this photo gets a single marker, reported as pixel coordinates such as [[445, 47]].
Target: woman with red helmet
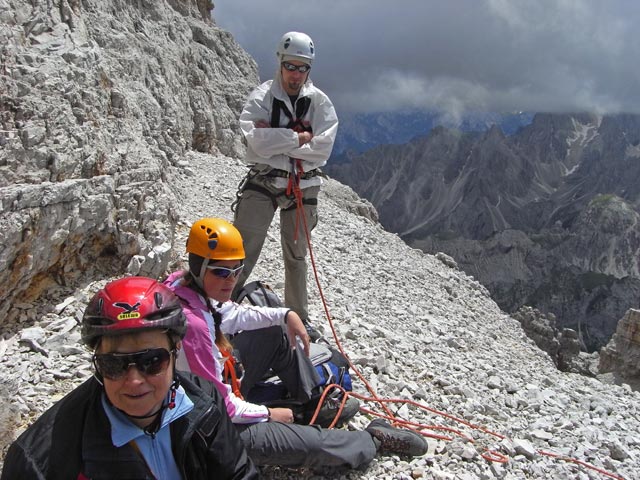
[[137, 417]]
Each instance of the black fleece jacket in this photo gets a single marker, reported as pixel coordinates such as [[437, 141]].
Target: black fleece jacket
[[72, 440]]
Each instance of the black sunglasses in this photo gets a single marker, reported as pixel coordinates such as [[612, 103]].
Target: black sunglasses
[[292, 68], [151, 362]]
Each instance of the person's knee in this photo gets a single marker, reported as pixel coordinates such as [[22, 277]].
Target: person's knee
[[269, 340], [265, 335]]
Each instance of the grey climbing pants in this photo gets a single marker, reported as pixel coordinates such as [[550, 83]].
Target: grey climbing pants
[[293, 445], [269, 349]]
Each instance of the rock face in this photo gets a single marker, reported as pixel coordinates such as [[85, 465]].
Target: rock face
[[547, 217], [621, 356], [97, 99], [563, 346]]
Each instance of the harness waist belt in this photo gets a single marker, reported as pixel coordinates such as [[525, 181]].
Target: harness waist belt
[[276, 172], [273, 196]]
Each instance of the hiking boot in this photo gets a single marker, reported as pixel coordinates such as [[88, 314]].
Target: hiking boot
[[328, 411], [314, 334], [397, 441], [304, 413]]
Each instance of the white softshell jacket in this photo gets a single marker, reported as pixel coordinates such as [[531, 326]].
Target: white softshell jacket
[[275, 146]]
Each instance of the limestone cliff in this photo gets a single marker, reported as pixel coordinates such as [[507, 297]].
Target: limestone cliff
[[621, 356], [97, 99]]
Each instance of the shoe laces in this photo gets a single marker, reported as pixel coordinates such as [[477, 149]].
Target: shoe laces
[[393, 443]]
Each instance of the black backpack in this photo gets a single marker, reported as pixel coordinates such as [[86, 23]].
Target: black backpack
[[331, 365], [258, 293]]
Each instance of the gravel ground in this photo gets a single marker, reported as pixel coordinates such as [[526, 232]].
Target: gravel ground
[[415, 327]]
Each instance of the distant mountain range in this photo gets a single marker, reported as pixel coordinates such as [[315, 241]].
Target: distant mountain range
[[361, 132], [546, 217]]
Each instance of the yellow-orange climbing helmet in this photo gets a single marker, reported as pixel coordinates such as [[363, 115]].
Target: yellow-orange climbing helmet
[[215, 239]]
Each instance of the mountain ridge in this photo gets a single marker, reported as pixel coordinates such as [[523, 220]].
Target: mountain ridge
[[360, 132], [462, 193]]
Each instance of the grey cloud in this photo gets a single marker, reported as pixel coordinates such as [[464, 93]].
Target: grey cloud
[[496, 55]]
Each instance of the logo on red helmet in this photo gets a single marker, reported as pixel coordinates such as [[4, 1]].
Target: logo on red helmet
[[130, 311]]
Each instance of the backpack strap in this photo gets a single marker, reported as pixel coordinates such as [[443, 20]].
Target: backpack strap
[[275, 112], [258, 293], [136, 448], [302, 107]]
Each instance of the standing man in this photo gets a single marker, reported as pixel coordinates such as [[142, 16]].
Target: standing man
[[290, 127]]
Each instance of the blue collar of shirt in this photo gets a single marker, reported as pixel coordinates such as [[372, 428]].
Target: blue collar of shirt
[[123, 430]]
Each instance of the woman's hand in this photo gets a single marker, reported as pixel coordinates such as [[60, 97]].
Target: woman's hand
[[296, 329], [284, 415]]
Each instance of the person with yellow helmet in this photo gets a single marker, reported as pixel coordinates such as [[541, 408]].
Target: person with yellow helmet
[[216, 254]]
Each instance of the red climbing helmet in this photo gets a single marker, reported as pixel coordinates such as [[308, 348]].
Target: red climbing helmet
[[129, 305]]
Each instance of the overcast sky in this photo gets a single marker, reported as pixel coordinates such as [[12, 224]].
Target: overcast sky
[[455, 55]]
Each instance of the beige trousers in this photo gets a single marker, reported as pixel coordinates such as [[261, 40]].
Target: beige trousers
[[253, 217]]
